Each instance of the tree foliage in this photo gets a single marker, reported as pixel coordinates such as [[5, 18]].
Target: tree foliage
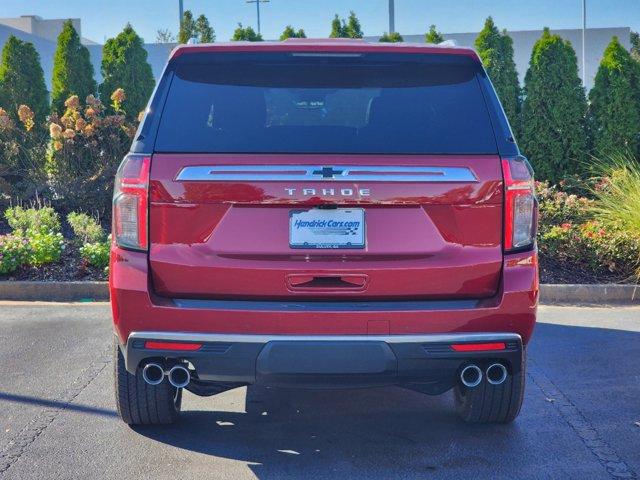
[[22, 79], [246, 34], [433, 36], [164, 35], [198, 28], [553, 112], [187, 27], [614, 111], [204, 30], [72, 69], [350, 28], [290, 32], [124, 65], [391, 37], [635, 45], [496, 52]]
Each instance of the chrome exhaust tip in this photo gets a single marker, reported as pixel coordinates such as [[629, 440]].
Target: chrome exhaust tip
[[153, 374], [471, 376], [496, 373], [179, 376]]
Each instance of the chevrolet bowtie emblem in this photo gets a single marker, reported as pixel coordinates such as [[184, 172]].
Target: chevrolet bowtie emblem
[[327, 172]]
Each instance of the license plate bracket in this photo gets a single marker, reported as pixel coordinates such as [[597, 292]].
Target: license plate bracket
[[327, 228]]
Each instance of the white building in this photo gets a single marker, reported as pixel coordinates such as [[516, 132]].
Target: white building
[[43, 34]]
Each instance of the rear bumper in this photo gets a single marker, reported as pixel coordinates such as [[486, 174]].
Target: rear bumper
[[426, 362], [137, 309]]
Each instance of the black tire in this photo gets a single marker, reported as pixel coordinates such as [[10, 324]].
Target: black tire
[[488, 403], [138, 402]]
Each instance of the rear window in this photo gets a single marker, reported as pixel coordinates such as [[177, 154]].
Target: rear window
[[325, 103]]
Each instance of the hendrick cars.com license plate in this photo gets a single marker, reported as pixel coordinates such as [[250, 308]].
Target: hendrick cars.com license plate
[[337, 228]]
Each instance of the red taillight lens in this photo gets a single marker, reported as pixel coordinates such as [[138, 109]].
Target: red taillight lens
[[130, 202], [478, 347], [189, 347], [520, 204]]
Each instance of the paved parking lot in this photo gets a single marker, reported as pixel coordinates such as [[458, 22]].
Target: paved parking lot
[[581, 417]]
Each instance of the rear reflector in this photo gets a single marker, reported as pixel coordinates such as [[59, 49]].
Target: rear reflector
[[189, 347], [478, 347]]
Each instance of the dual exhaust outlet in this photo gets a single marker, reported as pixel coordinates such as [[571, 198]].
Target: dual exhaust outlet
[[154, 374], [471, 375]]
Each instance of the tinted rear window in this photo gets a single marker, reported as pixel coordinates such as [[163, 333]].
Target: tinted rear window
[[306, 103]]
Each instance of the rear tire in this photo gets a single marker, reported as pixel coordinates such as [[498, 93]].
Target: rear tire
[[488, 403], [138, 402]]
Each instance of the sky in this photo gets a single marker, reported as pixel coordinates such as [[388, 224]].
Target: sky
[[102, 19]]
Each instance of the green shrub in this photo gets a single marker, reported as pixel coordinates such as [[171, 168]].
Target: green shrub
[[553, 133], [496, 51], [558, 207], [618, 195], [46, 247], [14, 252], [96, 254], [124, 66], [614, 110], [85, 228], [38, 219], [72, 69], [87, 145]]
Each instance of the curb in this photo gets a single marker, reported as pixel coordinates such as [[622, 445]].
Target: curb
[[597, 294], [54, 291], [99, 291]]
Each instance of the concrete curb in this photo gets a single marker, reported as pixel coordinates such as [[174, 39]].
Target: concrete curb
[[597, 294], [99, 291], [54, 291]]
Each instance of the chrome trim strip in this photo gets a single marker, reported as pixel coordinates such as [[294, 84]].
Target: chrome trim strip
[[240, 338], [335, 173]]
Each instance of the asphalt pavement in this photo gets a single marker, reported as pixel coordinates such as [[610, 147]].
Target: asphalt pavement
[[580, 419]]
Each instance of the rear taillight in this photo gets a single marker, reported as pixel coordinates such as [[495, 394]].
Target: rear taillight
[[130, 202], [520, 204]]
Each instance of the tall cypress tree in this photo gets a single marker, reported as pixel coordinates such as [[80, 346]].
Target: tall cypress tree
[[187, 27], [553, 112], [338, 28], [353, 28], [72, 69], [204, 30], [614, 111], [124, 65], [496, 52], [22, 79]]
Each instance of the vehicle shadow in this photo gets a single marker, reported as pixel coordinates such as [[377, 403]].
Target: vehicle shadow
[[398, 433]]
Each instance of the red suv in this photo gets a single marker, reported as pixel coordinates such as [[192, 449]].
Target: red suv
[[323, 214]]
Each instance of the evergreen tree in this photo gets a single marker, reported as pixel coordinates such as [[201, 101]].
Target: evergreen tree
[[433, 36], [391, 37], [289, 32], [635, 45], [553, 112], [614, 111], [22, 79], [72, 69], [187, 27], [496, 52], [124, 65], [353, 29], [338, 28], [247, 34], [204, 31]]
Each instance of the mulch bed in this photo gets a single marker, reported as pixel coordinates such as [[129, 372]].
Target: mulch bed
[[553, 271]]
